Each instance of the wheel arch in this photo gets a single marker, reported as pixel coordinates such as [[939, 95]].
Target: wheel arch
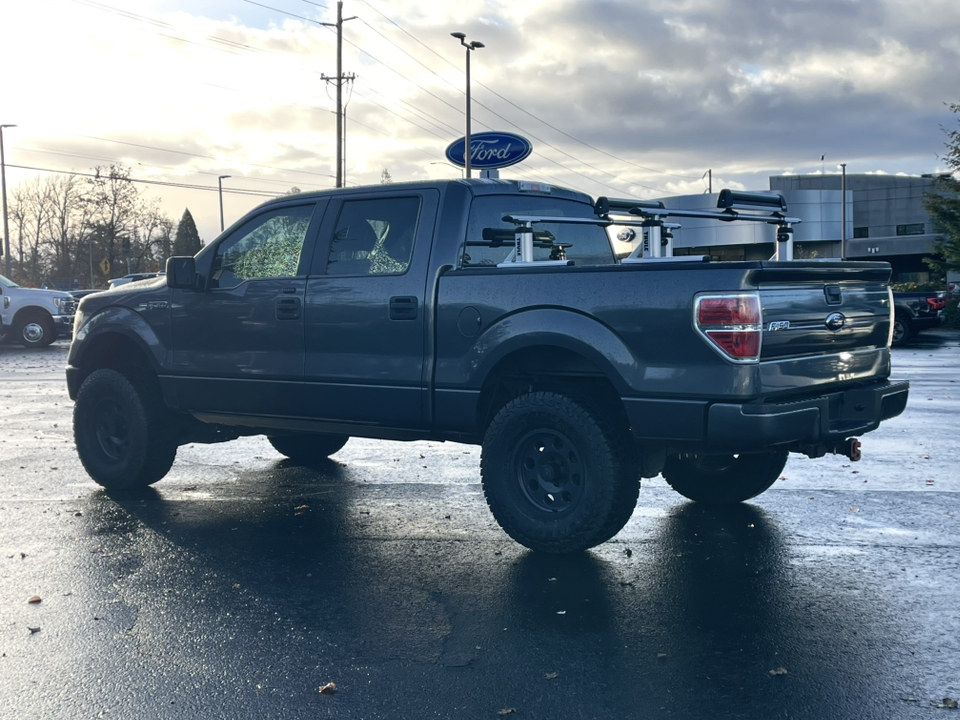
[[118, 339], [546, 366]]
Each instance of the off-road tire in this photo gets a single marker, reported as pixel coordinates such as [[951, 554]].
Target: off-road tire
[[307, 448], [125, 436], [35, 331], [901, 330], [724, 479], [559, 475]]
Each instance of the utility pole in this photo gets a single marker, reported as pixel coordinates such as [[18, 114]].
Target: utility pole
[[3, 180], [339, 81]]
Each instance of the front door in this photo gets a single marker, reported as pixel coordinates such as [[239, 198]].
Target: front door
[[365, 318], [238, 345]]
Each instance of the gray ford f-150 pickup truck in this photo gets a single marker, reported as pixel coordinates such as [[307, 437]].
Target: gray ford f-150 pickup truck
[[496, 313]]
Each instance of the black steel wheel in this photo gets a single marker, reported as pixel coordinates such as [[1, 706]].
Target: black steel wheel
[[558, 476], [35, 331], [124, 436], [724, 479], [307, 448]]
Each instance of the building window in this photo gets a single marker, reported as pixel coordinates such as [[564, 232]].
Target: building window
[[861, 232], [912, 229]]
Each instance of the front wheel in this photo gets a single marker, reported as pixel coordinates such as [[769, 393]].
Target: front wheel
[[558, 476], [125, 438], [307, 448], [724, 479], [36, 331]]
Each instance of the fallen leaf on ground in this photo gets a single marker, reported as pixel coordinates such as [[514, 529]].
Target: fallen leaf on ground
[[328, 689], [33, 630], [948, 703], [35, 599], [507, 711], [779, 671], [561, 612], [661, 655], [551, 676], [854, 509]]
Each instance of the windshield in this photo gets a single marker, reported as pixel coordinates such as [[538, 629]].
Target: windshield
[[7, 283], [584, 244]]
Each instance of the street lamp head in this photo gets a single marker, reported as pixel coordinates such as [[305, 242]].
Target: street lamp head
[[224, 177], [474, 45], [6, 126], [458, 35]]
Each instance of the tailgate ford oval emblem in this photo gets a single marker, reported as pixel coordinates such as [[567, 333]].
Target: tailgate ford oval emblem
[[835, 321]]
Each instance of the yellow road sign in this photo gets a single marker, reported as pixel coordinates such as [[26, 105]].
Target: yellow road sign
[[105, 266]]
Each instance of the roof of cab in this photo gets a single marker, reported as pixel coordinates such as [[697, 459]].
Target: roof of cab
[[478, 186]]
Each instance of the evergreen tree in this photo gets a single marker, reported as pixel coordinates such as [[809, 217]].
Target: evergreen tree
[[187, 239], [944, 206]]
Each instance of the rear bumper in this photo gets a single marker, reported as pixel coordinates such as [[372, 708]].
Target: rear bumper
[[822, 420]]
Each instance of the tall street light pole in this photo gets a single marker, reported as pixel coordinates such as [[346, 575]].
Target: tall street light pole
[[3, 183], [843, 210], [220, 186], [474, 45]]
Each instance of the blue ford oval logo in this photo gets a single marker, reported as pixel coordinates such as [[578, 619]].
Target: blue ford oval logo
[[490, 150], [835, 321]]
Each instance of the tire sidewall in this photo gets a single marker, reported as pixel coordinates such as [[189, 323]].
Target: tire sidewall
[[100, 389]]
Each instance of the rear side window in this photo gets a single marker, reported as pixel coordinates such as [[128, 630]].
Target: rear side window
[[588, 244], [374, 236]]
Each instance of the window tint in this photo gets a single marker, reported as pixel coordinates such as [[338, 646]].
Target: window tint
[[589, 244], [374, 236], [268, 246]]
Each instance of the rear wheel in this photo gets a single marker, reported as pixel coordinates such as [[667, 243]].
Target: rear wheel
[[307, 448], [558, 476], [35, 331], [125, 437], [901, 329], [724, 479]]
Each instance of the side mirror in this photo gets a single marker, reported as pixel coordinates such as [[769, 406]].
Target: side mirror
[[182, 273]]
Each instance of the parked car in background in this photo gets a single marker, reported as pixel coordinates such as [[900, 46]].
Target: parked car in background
[[916, 311], [34, 317], [133, 277]]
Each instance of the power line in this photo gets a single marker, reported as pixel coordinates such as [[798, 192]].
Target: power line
[[185, 186], [510, 102]]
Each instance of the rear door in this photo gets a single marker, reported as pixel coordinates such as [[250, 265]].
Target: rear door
[[365, 324]]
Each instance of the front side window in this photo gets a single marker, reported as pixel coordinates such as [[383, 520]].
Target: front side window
[[490, 240], [374, 236], [268, 246]]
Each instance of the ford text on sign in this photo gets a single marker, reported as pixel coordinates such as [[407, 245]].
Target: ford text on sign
[[490, 150]]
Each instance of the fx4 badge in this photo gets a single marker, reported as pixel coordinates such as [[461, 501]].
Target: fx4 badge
[[779, 325]]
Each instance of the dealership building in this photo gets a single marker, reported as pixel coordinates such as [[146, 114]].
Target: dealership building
[[885, 220]]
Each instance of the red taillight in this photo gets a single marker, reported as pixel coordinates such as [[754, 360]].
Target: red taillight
[[936, 303], [731, 323]]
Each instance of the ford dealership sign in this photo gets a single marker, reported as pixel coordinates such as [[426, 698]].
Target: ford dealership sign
[[490, 150]]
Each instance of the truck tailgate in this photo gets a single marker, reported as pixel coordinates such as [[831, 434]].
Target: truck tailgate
[[823, 308]]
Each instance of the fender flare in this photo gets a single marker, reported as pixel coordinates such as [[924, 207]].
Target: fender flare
[[557, 327]]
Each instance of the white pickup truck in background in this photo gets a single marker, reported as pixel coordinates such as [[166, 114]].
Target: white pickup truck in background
[[33, 317]]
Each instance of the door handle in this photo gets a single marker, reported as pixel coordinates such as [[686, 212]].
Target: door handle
[[288, 308], [403, 308]]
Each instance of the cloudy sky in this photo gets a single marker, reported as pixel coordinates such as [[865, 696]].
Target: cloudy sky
[[630, 98]]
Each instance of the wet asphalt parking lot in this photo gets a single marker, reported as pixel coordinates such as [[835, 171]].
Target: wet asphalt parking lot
[[241, 583]]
